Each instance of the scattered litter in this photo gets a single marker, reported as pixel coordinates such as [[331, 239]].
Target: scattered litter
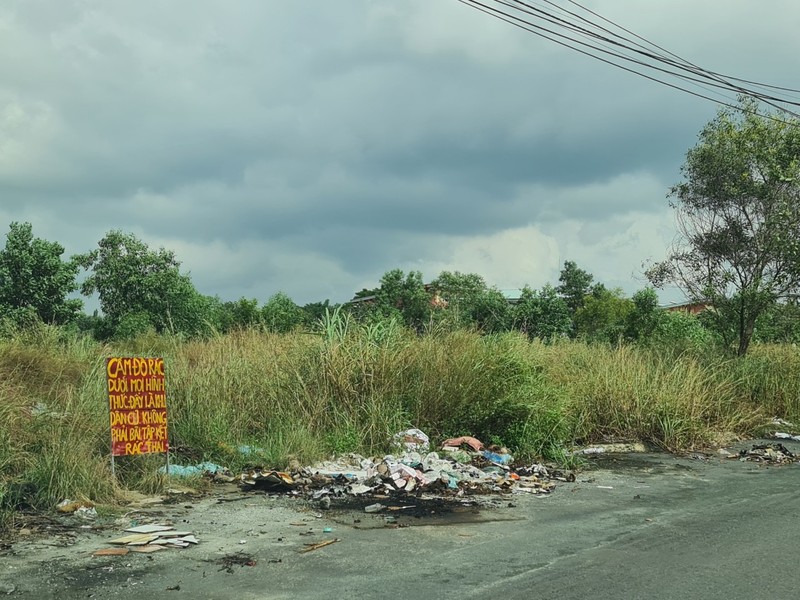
[[611, 449], [190, 539], [778, 435], [590, 451], [470, 441], [769, 453], [412, 440], [605, 487], [149, 529], [458, 470], [318, 545], [498, 458], [150, 538], [250, 450], [141, 549], [242, 542], [268, 481], [71, 506], [136, 538], [198, 470], [778, 421], [86, 513], [359, 488], [327, 530], [240, 559]]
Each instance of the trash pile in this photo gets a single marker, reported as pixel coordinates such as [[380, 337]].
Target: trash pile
[[463, 466], [779, 435], [768, 453], [80, 508], [149, 538]]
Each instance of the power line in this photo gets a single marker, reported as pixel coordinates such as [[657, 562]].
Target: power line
[[610, 22], [601, 47], [714, 79], [610, 43]]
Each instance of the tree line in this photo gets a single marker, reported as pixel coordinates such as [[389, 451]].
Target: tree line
[[139, 289], [737, 251]]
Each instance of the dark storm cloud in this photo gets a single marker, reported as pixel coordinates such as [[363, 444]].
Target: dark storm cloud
[[310, 146]]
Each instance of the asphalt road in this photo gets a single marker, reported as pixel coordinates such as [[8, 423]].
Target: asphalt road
[[638, 526]]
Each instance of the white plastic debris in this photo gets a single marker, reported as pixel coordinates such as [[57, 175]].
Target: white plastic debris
[[412, 440]]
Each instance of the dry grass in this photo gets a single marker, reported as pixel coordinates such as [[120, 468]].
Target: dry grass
[[307, 396]]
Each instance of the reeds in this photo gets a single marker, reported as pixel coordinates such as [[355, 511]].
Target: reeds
[[349, 387]]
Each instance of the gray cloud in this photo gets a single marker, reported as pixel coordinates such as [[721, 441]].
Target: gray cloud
[[310, 146]]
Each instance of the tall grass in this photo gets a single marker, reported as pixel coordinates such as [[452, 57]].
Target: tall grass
[[253, 397]]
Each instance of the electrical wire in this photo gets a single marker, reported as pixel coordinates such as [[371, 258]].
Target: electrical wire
[[763, 85], [605, 41], [712, 79]]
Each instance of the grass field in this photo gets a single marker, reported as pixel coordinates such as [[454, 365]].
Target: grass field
[[350, 388]]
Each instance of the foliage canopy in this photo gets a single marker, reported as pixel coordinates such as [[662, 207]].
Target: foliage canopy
[[738, 212], [34, 280]]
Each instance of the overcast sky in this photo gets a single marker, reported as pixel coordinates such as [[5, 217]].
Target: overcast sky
[[310, 146]]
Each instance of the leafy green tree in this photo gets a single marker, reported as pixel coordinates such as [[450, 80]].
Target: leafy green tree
[[738, 211], [137, 284], [491, 312], [34, 279], [240, 314], [460, 293], [779, 324], [406, 294], [677, 332], [281, 315], [643, 320], [603, 316], [542, 314], [458, 288], [575, 284]]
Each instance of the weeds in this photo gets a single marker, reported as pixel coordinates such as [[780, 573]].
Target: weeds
[[251, 397]]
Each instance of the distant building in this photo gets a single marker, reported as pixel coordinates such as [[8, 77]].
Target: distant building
[[512, 296], [362, 300], [692, 307]]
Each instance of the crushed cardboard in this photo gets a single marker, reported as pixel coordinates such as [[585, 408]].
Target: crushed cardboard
[[149, 538]]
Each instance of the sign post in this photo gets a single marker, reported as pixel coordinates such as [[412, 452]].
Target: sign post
[[137, 405]]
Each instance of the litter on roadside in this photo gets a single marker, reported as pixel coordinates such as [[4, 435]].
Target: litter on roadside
[[149, 538], [778, 435], [622, 448], [463, 467], [73, 506], [411, 440], [775, 454], [470, 441], [204, 469], [318, 545], [268, 481]]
